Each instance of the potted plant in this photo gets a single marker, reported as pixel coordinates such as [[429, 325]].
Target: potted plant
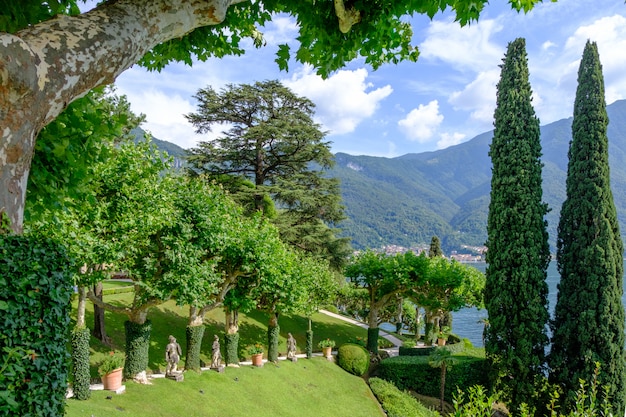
[[443, 334], [110, 371], [256, 351], [327, 346]]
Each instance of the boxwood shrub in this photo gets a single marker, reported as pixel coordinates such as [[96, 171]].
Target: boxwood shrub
[[353, 358], [415, 373]]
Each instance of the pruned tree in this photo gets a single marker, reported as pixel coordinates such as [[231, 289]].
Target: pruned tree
[[588, 324], [385, 278], [516, 292]]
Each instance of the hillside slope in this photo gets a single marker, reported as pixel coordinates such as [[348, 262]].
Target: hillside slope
[[408, 199]]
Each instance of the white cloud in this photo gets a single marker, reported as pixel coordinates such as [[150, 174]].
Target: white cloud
[[450, 139], [342, 101], [420, 124], [165, 116], [468, 47], [478, 97], [282, 29]]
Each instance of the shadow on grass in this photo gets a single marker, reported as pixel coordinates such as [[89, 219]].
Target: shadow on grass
[[170, 319]]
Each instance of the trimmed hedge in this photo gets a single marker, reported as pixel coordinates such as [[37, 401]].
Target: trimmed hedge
[[353, 359], [414, 373], [231, 342], [80, 363], [454, 345], [397, 403], [194, 336], [137, 346], [35, 291]]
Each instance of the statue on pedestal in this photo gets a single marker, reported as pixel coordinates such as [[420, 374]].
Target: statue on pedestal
[[291, 348], [216, 358], [172, 356]]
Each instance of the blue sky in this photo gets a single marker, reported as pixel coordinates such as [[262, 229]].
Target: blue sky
[[445, 98]]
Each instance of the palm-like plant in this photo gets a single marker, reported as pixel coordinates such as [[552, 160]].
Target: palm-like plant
[[442, 358]]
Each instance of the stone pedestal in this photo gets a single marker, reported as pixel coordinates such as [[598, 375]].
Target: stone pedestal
[[218, 369], [178, 376]]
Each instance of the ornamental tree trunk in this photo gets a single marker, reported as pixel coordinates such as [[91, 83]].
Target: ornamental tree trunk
[[46, 66]]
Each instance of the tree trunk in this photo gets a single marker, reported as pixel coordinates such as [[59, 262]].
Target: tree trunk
[[82, 301], [46, 66], [99, 329]]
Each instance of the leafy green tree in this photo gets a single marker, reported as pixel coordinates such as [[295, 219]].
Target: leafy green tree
[[516, 292], [588, 326], [273, 143], [448, 286], [49, 63], [435, 247], [69, 147], [385, 278]]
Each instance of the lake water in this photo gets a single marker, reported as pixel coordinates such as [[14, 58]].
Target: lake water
[[465, 322]]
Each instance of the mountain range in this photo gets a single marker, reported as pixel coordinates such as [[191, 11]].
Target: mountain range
[[407, 200]]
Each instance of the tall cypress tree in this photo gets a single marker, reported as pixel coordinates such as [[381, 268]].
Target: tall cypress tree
[[588, 326], [516, 292]]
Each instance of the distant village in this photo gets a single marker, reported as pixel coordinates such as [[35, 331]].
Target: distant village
[[476, 253]]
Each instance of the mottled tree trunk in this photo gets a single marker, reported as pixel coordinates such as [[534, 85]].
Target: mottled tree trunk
[[82, 301], [99, 329], [46, 66]]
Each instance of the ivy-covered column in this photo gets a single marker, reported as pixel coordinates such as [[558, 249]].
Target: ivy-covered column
[[137, 346], [35, 290], [194, 343]]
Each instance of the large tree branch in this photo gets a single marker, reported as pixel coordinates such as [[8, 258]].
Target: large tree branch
[[45, 67], [348, 17]]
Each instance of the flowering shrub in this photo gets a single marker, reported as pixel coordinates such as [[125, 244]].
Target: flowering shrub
[[112, 362], [326, 343]]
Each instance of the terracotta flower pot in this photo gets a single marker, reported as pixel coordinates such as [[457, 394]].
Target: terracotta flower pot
[[327, 351], [257, 360], [113, 380], [441, 342]]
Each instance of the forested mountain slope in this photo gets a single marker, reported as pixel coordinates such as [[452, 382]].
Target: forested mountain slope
[[408, 199]]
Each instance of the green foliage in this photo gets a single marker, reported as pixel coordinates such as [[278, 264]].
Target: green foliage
[[435, 247], [231, 340], [35, 289], [476, 404], [273, 149], [69, 147], [589, 252], [18, 15], [353, 358], [397, 403], [110, 363], [516, 292], [415, 373], [326, 343], [80, 363], [273, 332], [194, 336], [137, 345]]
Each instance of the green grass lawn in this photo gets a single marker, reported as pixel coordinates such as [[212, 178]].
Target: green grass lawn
[[170, 319], [314, 388]]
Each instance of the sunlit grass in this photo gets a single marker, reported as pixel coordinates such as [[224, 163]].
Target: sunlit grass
[[314, 387]]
